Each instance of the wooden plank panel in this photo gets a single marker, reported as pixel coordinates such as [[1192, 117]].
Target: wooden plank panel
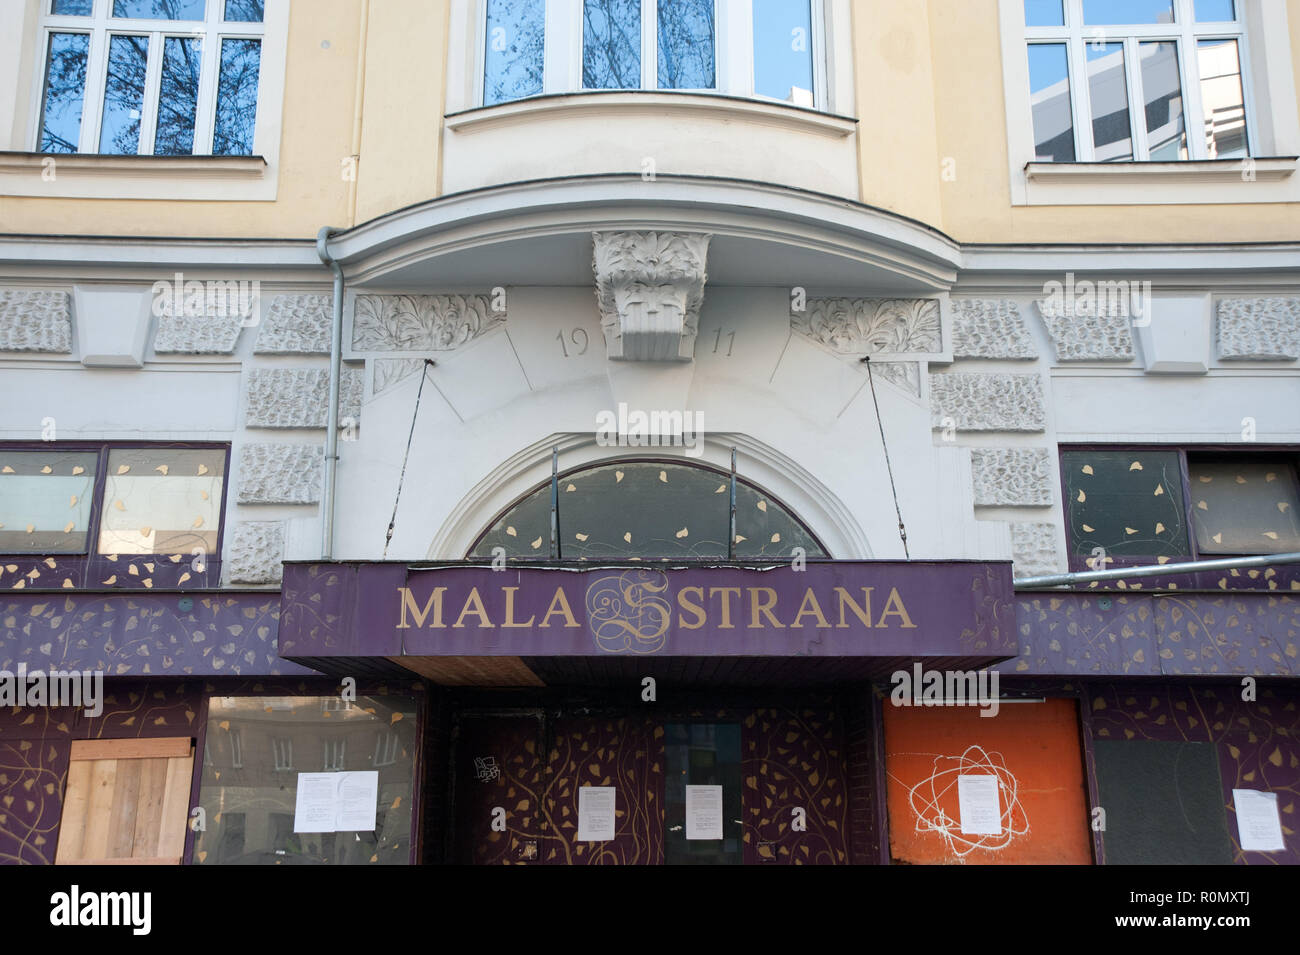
[[99, 811], [148, 810], [155, 860], [161, 748], [72, 829], [126, 798], [176, 807]]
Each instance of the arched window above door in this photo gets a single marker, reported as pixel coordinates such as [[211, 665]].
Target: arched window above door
[[648, 510]]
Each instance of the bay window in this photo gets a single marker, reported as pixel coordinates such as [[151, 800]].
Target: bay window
[[1123, 80], [150, 77]]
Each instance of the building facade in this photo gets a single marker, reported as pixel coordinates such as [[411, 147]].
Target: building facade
[[604, 431]]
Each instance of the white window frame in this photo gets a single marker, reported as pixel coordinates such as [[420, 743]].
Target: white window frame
[[282, 753], [333, 758], [100, 26], [236, 749], [1186, 33], [733, 55], [387, 745]]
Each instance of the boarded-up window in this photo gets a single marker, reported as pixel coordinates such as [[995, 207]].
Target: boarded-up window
[[126, 802], [1032, 752]]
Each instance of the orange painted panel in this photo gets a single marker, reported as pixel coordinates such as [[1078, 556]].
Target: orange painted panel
[[1033, 749]]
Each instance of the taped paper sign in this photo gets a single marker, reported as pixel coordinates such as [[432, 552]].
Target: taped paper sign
[[1258, 822], [336, 802], [596, 807]]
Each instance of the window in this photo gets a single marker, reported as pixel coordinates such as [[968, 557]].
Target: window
[[648, 510], [334, 752], [704, 756], [127, 500], [761, 48], [387, 746], [236, 750], [1152, 506], [1120, 80], [282, 752], [150, 77]]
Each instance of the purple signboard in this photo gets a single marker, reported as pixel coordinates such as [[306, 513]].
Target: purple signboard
[[822, 609]]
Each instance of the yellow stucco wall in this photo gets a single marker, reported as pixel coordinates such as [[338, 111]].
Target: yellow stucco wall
[[928, 83]]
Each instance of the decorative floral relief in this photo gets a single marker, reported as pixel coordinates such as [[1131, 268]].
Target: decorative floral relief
[[871, 326], [421, 322], [649, 288]]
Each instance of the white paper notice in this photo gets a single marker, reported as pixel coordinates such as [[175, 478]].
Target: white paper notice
[[1258, 823], [315, 808], [596, 806], [977, 801], [336, 802], [703, 812]]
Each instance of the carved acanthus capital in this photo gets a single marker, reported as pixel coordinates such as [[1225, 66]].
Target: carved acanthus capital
[[649, 287]]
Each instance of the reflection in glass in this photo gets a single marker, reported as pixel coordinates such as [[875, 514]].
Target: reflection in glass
[[65, 90], [237, 98], [1113, 12], [128, 61], [1128, 503], [179, 96], [1221, 98], [648, 510], [513, 57], [1049, 97], [1244, 506], [702, 754], [1108, 92], [249, 788], [611, 44], [1215, 11], [783, 56], [159, 9], [243, 11], [73, 8], [1166, 131], [45, 499], [161, 500], [1044, 13], [686, 44]]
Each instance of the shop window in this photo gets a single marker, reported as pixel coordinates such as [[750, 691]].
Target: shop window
[[1133, 504], [265, 792], [762, 48], [129, 500], [126, 802], [648, 510], [1118, 80], [150, 77], [702, 798]]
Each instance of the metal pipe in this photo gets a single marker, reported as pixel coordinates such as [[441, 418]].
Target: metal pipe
[[731, 533], [332, 412], [1154, 570], [555, 502]]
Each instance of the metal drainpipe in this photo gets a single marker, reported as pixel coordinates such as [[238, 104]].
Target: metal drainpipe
[[1154, 570], [332, 413]]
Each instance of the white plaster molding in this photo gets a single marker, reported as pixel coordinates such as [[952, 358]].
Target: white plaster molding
[[1259, 329], [256, 552], [299, 397], [297, 324], [1096, 329], [893, 328], [973, 402], [35, 320], [990, 328], [1011, 477], [649, 288], [1034, 550], [403, 323], [280, 473]]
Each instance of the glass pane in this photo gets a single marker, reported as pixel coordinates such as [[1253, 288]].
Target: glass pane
[[128, 62], [249, 786], [1044, 13], [1245, 506], [685, 44], [513, 58], [45, 499], [1108, 91], [159, 9], [1049, 97], [702, 754], [179, 96], [73, 8], [243, 11], [647, 510], [1215, 11], [1125, 502], [611, 44], [783, 58], [65, 90], [161, 500], [1128, 11], [237, 98], [1166, 132], [1221, 98]]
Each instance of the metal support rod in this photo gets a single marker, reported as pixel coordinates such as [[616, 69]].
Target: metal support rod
[[332, 412], [731, 535], [1154, 570], [555, 503]]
